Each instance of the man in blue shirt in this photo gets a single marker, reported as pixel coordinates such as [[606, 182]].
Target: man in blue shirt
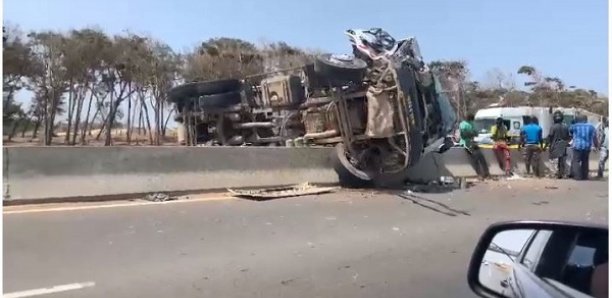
[[532, 141], [583, 137]]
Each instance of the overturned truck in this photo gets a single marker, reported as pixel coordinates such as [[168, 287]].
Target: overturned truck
[[381, 108]]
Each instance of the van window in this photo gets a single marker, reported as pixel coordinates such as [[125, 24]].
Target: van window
[[526, 119], [507, 123]]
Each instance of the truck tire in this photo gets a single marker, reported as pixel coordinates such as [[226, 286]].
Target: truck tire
[[338, 71], [221, 100], [196, 89], [348, 175]]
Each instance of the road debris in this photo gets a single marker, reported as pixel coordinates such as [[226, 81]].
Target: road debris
[[515, 177], [287, 281], [432, 187], [159, 197], [261, 194]]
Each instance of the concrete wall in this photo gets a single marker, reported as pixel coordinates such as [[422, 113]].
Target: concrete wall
[[68, 172], [62, 172], [455, 162]]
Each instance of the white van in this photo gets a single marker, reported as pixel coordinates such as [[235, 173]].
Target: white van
[[514, 118], [569, 115]]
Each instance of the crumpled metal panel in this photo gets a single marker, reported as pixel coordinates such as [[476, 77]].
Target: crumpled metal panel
[[261, 194]]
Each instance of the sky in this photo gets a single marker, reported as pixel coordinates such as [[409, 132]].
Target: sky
[[565, 38]]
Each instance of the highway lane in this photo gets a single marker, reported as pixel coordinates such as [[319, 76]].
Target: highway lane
[[349, 243]]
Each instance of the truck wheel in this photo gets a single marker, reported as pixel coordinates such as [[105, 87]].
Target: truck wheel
[[416, 147], [226, 134], [340, 70], [196, 89], [348, 174], [221, 100]]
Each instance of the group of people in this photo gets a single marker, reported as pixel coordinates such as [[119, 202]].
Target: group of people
[[580, 136]]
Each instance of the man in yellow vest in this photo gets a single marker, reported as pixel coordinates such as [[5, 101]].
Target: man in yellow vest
[[499, 134]]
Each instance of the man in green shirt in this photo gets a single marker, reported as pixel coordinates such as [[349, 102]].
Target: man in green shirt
[[467, 132]]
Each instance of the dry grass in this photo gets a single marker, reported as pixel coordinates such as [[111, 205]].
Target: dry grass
[[119, 138]]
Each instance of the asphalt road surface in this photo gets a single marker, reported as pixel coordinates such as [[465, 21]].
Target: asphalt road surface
[[345, 244]]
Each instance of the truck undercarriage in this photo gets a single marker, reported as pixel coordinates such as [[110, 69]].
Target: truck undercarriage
[[381, 116]]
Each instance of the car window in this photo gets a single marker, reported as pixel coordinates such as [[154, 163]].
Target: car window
[[587, 253], [532, 255], [582, 256]]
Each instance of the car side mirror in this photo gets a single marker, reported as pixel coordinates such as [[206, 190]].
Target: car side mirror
[[529, 258]]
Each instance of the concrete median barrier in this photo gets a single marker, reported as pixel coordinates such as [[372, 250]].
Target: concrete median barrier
[[32, 173]]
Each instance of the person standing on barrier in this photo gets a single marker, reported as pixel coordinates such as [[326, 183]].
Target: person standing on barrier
[[603, 149], [499, 135], [532, 143], [467, 132], [583, 137], [557, 143]]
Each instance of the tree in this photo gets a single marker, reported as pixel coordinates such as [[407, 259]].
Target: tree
[[51, 81], [222, 58], [86, 52], [280, 56], [527, 70], [18, 63], [453, 76], [497, 79], [161, 74], [131, 55]]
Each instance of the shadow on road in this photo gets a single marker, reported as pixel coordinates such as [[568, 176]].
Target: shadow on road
[[433, 205]]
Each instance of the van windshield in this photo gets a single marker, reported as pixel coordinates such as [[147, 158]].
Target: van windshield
[[483, 125], [567, 119]]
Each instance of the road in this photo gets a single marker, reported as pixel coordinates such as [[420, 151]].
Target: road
[[346, 244]]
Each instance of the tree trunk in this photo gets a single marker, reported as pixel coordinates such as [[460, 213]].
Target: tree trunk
[[108, 122], [161, 120], [146, 112], [129, 122], [14, 128], [71, 106], [104, 119], [140, 120], [52, 123], [77, 117], [9, 97], [156, 107], [103, 127], [25, 127], [140, 124], [36, 127], [133, 117], [166, 122], [84, 132], [86, 122], [47, 137], [113, 112]]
